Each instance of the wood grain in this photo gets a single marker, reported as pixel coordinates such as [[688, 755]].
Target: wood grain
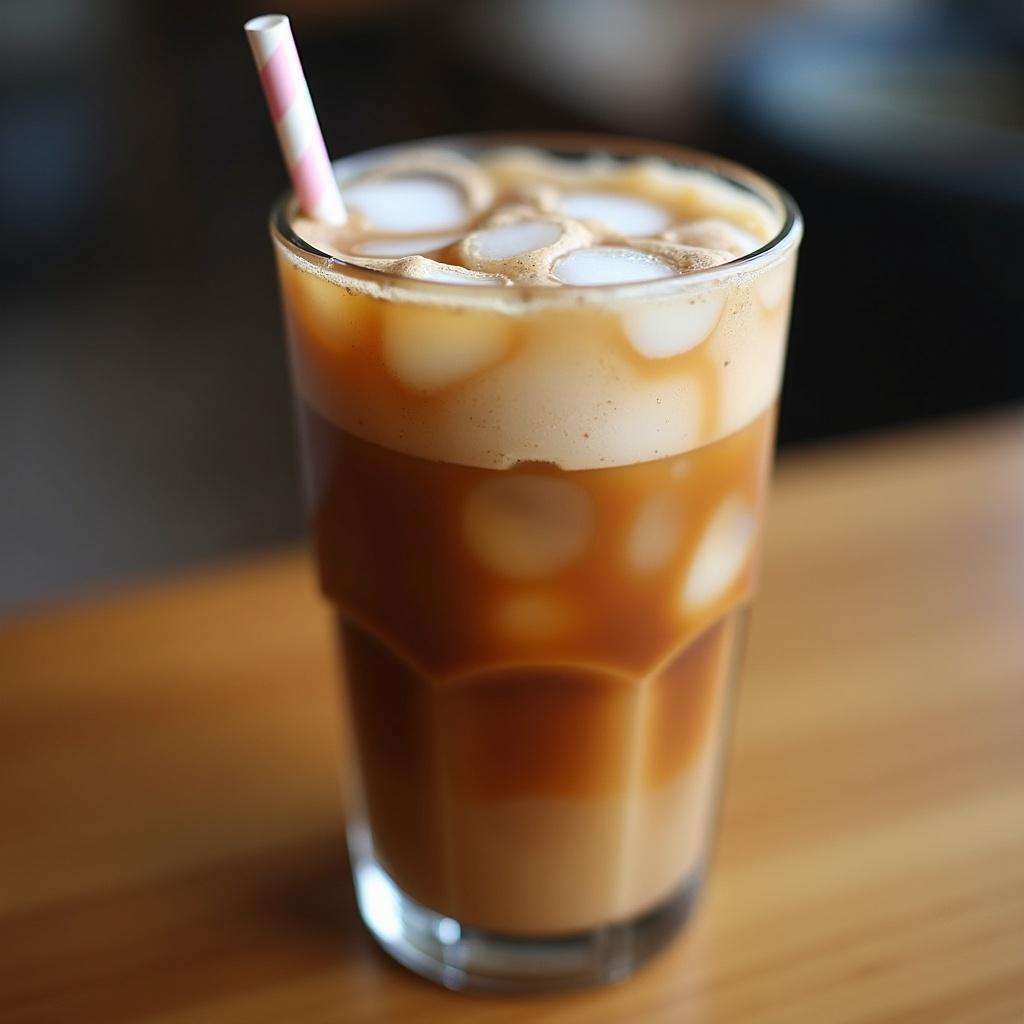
[[171, 843]]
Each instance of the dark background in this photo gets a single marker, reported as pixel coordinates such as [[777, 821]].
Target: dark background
[[144, 412]]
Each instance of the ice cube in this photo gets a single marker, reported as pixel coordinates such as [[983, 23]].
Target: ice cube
[[620, 214], [722, 554], [522, 246], [395, 247], [670, 327], [654, 536], [608, 264], [420, 190], [428, 348], [509, 240], [525, 526], [408, 204], [333, 316], [715, 233]]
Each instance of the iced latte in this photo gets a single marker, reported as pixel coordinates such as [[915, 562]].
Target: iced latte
[[537, 390]]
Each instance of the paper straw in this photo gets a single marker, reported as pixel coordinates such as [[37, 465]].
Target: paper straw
[[291, 109]]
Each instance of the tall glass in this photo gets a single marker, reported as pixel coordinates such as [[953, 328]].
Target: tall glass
[[539, 629]]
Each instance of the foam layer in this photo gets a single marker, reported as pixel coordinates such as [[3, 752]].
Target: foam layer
[[422, 190], [715, 233], [549, 208], [490, 375], [624, 215]]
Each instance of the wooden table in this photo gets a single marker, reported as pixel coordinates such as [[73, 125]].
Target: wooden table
[[171, 844]]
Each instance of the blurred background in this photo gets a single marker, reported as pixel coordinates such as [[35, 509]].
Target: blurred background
[[144, 411]]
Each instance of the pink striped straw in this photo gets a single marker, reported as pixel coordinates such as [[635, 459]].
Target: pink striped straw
[[291, 109]]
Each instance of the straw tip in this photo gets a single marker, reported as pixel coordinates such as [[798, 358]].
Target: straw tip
[[266, 23]]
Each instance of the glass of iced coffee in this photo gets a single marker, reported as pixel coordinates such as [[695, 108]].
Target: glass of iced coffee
[[536, 381]]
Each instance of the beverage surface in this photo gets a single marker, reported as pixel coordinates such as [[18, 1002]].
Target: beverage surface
[[519, 217]]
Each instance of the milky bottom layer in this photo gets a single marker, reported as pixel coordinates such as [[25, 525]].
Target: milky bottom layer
[[540, 800]]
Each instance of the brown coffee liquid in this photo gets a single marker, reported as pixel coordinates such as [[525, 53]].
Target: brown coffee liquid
[[540, 531], [537, 755]]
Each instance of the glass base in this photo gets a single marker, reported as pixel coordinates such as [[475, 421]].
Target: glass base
[[471, 959]]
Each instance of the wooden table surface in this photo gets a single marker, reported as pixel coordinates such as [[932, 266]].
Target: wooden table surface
[[171, 845]]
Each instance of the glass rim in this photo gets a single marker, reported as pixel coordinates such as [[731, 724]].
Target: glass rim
[[342, 272]]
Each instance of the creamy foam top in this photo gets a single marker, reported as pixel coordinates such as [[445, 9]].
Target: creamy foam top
[[449, 374], [521, 217]]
